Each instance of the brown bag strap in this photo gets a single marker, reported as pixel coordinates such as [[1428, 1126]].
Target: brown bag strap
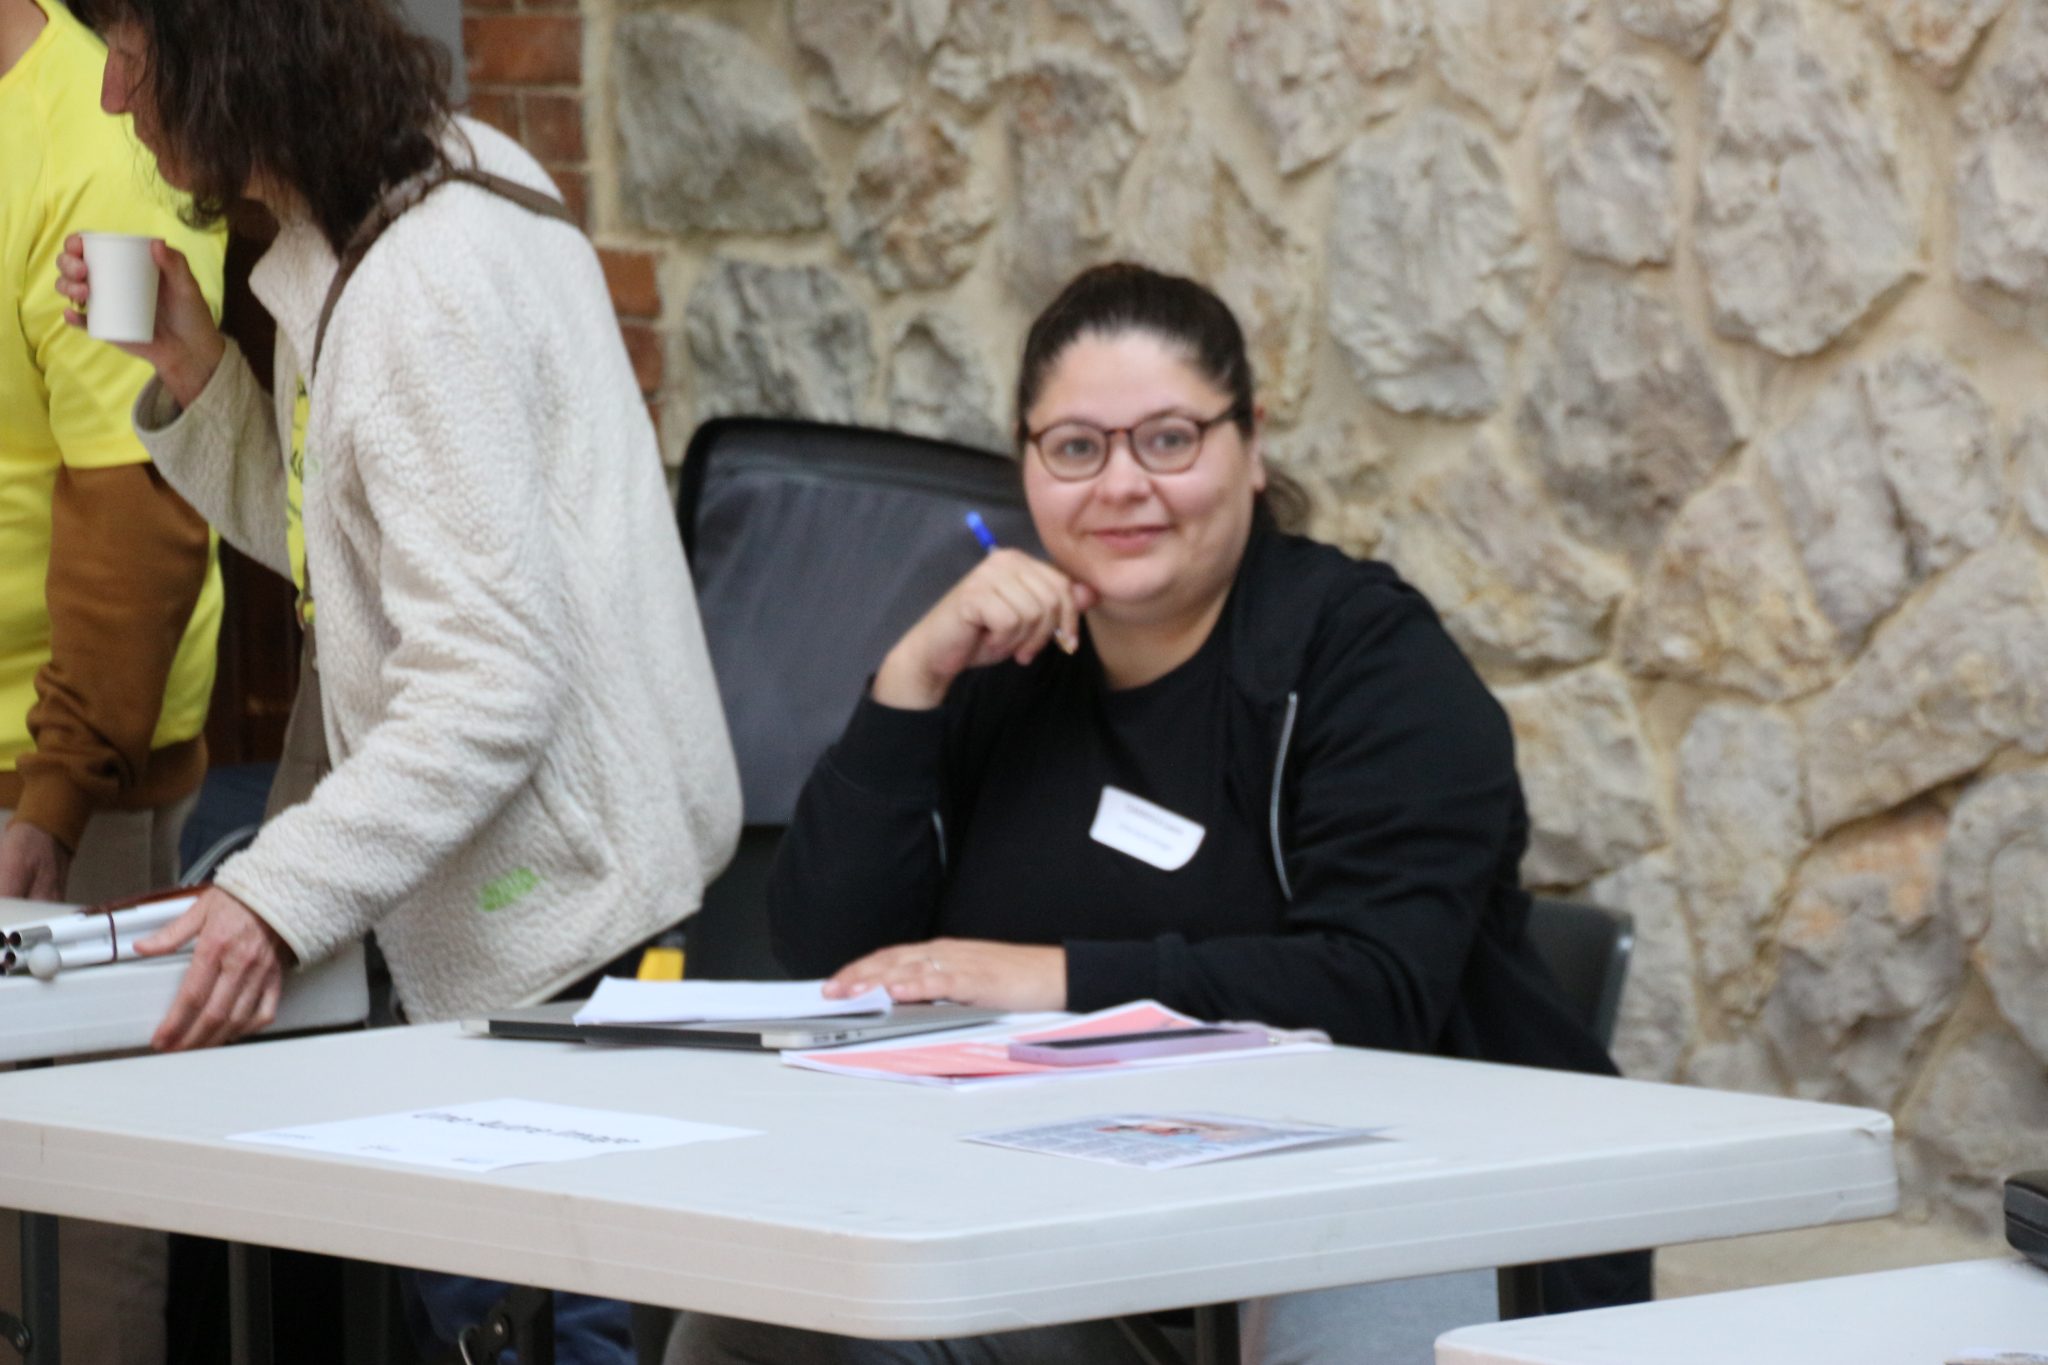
[[388, 212], [305, 760]]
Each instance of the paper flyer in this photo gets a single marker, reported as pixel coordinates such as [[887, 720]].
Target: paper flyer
[[1161, 1142], [491, 1135]]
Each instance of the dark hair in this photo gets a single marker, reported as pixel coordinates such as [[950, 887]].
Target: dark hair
[[1107, 300], [335, 99]]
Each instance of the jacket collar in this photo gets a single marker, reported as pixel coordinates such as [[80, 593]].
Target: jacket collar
[[1272, 614], [1292, 594], [292, 278], [291, 282]]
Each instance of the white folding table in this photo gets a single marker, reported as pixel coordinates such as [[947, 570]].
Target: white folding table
[[1923, 1316], [859, 1210], [116, 1008]]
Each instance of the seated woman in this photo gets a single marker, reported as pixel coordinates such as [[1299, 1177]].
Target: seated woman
[[1345, 827]]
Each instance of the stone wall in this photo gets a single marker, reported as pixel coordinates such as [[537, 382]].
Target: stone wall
[[1688, 353]]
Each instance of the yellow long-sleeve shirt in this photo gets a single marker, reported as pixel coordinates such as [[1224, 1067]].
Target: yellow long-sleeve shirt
[[110, 598]]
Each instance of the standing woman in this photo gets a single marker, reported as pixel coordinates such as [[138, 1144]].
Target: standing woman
[[1346, 826], [530, 772]]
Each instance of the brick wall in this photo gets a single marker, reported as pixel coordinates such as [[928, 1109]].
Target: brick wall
[[525, 67]]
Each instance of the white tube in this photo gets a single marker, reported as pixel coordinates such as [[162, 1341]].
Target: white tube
[[46, 961], [89, 926]]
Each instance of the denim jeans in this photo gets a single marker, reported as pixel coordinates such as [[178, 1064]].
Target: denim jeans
[[587, 1331]]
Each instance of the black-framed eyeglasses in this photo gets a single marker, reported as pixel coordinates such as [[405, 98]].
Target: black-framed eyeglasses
[[1166, 444]]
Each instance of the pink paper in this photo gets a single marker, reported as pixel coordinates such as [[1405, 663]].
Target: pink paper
[[990, 1057]]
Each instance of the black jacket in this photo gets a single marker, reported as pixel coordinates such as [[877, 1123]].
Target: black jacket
[[1396, 830]]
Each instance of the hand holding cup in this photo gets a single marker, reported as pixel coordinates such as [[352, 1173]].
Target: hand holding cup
[[149, 305], [121, 266]]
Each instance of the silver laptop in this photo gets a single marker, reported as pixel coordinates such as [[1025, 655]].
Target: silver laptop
[[556, 1023]]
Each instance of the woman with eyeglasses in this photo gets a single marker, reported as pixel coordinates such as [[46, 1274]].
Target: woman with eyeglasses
[[1187, 757]]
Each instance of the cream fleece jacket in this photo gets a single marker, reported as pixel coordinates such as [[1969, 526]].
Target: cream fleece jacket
[[532, 771]]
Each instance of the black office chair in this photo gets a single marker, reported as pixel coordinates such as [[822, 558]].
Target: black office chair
[[814, 547], [1587, 949]]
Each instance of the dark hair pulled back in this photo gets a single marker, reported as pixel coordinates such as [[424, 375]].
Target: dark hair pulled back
[[1106, 300], [334, 99], [1122, 296]]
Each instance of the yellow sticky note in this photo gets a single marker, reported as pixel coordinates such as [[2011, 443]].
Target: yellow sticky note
[[661, 964]]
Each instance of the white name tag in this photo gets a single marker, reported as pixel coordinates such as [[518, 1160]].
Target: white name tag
[[1151, 834]]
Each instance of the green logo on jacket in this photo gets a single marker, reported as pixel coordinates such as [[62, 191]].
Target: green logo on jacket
[[503, 891]]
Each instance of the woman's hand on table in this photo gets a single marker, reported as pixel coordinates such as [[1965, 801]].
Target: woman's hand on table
[[187, 346], [967, 971], [237, 973], [1010, 607]]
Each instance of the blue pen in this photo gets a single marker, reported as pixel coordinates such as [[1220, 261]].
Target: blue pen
[[981, 532]]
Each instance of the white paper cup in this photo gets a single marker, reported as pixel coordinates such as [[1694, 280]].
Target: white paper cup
[[123, 278]]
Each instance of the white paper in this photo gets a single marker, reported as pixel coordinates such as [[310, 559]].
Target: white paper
[[1161, 1142], [620, 1001], [491, 1135], [1150, 833]]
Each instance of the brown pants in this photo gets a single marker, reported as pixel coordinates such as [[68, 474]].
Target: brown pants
[[114, 1277]]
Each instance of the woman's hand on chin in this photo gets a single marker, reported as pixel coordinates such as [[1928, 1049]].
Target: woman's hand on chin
[[1009, 607], [967, 971]]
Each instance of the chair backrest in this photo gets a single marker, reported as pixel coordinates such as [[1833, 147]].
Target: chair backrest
[[219, 851], [727, 939], [813, 547], [1587, 949]]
